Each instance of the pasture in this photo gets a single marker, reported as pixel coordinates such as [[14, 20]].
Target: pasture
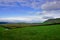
[[51, 32]]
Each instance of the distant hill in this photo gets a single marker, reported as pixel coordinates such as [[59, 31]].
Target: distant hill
[[3, 22], [51, 21]]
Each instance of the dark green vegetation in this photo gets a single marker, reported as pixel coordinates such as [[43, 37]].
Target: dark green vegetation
[[52, 21], [49, 30]]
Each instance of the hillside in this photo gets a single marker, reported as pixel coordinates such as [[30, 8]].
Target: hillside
[[21, 25], [52, 21], [31, 31]]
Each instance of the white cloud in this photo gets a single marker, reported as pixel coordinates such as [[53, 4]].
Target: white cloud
[[54, 5], [24, 19], [51, 14], [16, 18], [51, 9], [28, 3]]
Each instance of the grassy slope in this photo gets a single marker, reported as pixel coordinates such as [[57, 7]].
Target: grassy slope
[[51, 21], [31, 33]]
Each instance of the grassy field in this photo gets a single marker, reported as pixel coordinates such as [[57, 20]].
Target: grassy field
[[51, 32]]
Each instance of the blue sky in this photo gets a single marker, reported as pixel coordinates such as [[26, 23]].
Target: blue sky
[[29, 10], [19, 9]]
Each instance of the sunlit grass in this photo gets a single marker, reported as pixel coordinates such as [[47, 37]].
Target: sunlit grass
[[51, 32]]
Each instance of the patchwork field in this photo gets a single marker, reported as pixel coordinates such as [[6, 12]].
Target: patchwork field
[[51, 32]]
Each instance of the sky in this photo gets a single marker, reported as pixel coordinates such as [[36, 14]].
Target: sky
[[29, 10]]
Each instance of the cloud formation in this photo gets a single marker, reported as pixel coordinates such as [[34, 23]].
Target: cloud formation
[[36, 4], [51, 9], [51, 14], [29, 19], [54, 5]]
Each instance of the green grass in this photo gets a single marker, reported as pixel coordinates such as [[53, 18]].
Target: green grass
[[51, 32]]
